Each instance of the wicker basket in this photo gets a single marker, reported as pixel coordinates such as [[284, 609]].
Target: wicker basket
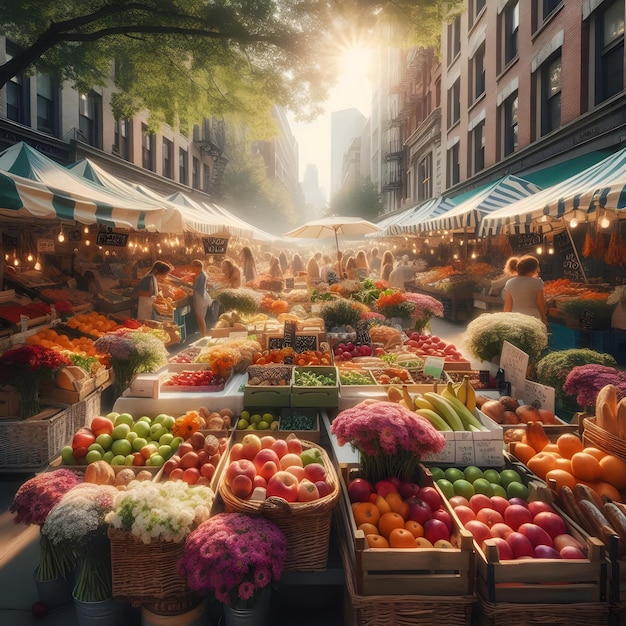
[[597, 437], [156, 586], [305, 524]]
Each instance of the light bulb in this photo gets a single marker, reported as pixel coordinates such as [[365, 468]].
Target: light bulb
[[16, 262], [473, 255], [61, 237], [29, 258], [87, 242], [86, 230], [539, 250], [605, 222], [550, 250], [573, 223], [38, 266]]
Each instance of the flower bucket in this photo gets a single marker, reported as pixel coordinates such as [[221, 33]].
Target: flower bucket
[[193, 617], [54, 593], [258, 615], [104, 613]]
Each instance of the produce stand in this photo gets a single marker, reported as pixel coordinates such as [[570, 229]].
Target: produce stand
[[457, 303]]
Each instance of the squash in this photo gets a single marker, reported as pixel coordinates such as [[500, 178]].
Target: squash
[[99, 473]]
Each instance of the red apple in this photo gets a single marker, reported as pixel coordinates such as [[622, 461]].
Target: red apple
[[290, 459], [464, 513], [498, 503], [419, 510], [323, 488], [489, 517], [431, 496], [267, 470], [479, 501], [183, 448], [395, 481], [407, 490], [520, 545], [443, 515], [250, 445], [516, 515], [294, 445], [168, 466], [264, 455], [504, 549], [537, 506], [570, 552], [296, 470], [207, 470], [177, 473], [203, 457], [519, 501], [552, 523], [315, 472], [435, 529], [501, 529], [138, 461], [383, 487], [280, 447], [284, 485], [81, 441], [187, 460], [242, 486], [536, 535], [479, 531], [236, 452], [307, 491], [242, 466], [560, 541], [191, 475], [457, 500], [546, 552], [101, 425], [359, 490], [267, 441], [259, 481]]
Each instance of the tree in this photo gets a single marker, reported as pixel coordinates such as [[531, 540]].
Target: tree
[[187, 59], [358, 200]]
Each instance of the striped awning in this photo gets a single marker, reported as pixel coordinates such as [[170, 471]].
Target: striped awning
[[409, 223], [33, 185], [469, 213], [601, 186]]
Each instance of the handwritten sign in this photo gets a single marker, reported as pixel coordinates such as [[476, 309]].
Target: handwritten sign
[[447, 455], [118, 240], [289, 283], [363, 334], [464, 448], [215, 245], [514, 362], [433, 366], [305, 342], [289, 333], [528, 240], [540, 396], [45, 245], [571, 266], [74, 235], [275, 343]]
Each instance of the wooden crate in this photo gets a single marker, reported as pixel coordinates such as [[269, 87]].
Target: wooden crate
[[410, 571]]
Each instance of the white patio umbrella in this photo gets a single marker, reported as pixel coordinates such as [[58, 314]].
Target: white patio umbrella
[[333, 226]]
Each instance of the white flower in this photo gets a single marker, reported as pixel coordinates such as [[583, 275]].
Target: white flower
[[618, 295]]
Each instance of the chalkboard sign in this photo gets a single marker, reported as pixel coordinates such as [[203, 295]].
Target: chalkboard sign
[[74, 235], [215, 245], [119, 240], [587, 320], [305, 342], [562, 243], [289, 283], [571, 267], [275, 343], [363, 334], [528, 240], [289, 333]]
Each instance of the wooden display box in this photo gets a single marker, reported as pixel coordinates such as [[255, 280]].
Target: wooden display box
[[315, 397], [86, 386], [9, 401], [406, 571], [306, 435], [268, 395]]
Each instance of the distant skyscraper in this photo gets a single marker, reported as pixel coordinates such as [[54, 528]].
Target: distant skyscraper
[[345, 126], [314, 196]]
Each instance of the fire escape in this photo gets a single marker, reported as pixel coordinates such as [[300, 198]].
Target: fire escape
[[210, 137]]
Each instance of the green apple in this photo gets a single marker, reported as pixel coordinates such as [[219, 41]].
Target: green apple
[[159, 418], [124, 418], [112, 416], [157, 431], [120, 431], [145, 418], [165, 451], [121, 446], [67, 456], [108, 457], [168, 422], [105, 441], [129, 459], [166, 439], [97, 447], [245, 415], [268, 417], [141, 428], [132, 436], [156, 460], [139, 443], [118, 459], [92, 456], [176, 442]]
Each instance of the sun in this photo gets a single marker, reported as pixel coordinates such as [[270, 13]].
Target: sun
[[354, 87]]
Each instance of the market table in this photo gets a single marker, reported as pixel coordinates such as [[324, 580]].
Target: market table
[[458, 304]]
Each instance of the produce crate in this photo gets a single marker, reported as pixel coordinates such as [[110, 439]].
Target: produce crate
[[412, 571], [30, 444], [85, 410], [104, 306], [316, 397], [273, 389], [481, 380], [9, 402], [174, 368], [280, 433]]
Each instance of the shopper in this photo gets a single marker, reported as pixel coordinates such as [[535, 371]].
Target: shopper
[[275, 269], [374, 263], [351, 272], [282, 258], [297, 265], [313, 269], [524, 292], [248, 265], [328, 270], [232, 274], [201, 298], [386, 266], [148, 289], [362, 266]]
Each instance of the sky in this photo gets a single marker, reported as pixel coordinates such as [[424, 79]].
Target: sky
[[352, 90]]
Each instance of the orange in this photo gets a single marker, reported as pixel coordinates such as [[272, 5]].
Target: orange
[[389, 521], [376, 541], [523, 452], [561, 477], [366, 513], [401, 538], [563, 464], [368, 529], [613, 471], [381, 504], [606, 489], [569, 444], [586, 467], [595, 452], [551, 447], [398, 505], [542, 463], [415, 528]]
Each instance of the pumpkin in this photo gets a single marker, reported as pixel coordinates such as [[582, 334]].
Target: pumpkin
[[99, 473]]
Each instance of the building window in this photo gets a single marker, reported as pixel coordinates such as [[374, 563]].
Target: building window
[[510, 16], [47, 105], [182, 166], [90, 118], [17, 89], [425, 178], [550, 76], [147, 148], [454, 39], [477, 143], [206, 178], [168, 150], [477, 72], [609, 37], [475, 7], [454, 103], [509, 124], [195, 173], [438, 93], [453, 173], [549, 6], [121, 143]]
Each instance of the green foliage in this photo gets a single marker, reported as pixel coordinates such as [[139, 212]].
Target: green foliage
[[240, 300], [340, 313], [359, 200]]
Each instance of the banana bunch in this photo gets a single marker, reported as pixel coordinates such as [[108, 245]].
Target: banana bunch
[[444, 411], [466, 393]]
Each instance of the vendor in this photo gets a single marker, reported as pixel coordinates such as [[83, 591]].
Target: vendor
[[232, 274], [201, 298], [148, 289]]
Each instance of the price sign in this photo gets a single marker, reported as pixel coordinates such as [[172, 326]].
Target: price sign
[[305, 342], [514, 362], [528, 240], [215, 245], [117, 240], [45, 245], [289, 283], [275, 343], [363, 334], [289, 333], [540, 396], [433, 366], [588, 320]]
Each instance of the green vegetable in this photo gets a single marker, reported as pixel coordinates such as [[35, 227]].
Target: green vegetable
[[355, 378], [298, 422], [84, 362], [307, 378], [312, 455]]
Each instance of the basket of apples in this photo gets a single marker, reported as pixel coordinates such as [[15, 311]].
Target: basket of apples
[[293, 483]]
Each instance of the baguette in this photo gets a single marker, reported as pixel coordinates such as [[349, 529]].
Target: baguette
[[569, 504], [584, 492], [617, 519], [597, 524], [606, 409], [621, 419]]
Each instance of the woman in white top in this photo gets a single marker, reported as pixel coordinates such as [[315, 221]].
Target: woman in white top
[[524, 292], [148, 289]]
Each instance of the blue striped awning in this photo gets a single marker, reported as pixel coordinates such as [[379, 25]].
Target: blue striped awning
[[410, 221], [469, 213], [601, 186], [32, 185]]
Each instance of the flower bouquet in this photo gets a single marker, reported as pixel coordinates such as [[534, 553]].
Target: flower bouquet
[[390, 438], [76, 528], [584, 382], [131, 352], [424, 308], [24, 368], [31, 505], [233, 557], [392, 303]]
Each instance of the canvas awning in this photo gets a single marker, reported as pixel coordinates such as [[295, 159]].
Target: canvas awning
[[409, 222], [36, 186], [601, 186]]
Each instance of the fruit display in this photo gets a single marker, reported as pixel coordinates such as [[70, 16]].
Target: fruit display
[[282, 355], [392, 376], [431, 345], [262, 467], [396, 514], [257, 421], [50, 338], [348, 351], [196, 459], [312, 378], [194, 380], [508, 411], [92, 324], [356, 377]]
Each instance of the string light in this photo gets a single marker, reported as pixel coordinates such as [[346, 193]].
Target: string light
[[573, 222], [38, 266], [539, 250], [61, 236], [551, 249], [86, 230], [29, 258], [605, 222]]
